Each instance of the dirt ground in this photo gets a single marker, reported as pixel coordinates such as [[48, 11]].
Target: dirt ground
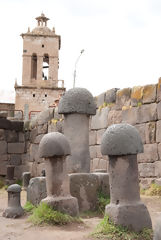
[[20, 229]]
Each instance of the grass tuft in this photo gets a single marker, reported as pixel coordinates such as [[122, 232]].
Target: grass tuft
[[153, 190], [44, 214], [29, 207], [109, 231], [103, 200]]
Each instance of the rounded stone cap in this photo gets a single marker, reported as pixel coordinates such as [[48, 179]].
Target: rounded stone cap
[[54, 144], [77, 100], [121, 139], [14, 188]]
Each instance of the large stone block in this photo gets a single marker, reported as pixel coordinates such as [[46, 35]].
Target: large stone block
[[147, 112], [110, 96], [15, 159], [136, 96], [150, 132], [130, 116], [84, 187], [159, 110], [25, 158], [114, 117], [100, 119], [150, 153], [11, 136], [36, 190], [93, 151], [92, 137], [3, 147], [141, 130], [99, 135], [19, 170], [158, 169], [33, 134], [21, 137], [123, 98], [146, 169], [158, 131], [3, 167], [2, 135], [103, 164], [16, 147], [157, 229], [159, 90], [34, 156], [95, 164], [149, 93], [146, 182], [38, 138], [17, 126], [100, 99], [104, 186]]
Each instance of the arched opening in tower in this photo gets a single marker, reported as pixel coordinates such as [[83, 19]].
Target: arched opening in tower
[[45, 72], [34, 66]]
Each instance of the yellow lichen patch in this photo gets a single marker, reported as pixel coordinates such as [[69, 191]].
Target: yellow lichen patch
[[126, 107], [137, 92], [148, 91], [54, 121], [124, 92], [159, 83]]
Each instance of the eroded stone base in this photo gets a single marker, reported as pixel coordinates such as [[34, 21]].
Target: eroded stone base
[[134, 216], [12, 212], [67, 204]]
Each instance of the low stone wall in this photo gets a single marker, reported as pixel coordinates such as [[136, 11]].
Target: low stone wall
[[140, 107]]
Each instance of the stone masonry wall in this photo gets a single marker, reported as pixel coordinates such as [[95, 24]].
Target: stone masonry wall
[[140, 107]]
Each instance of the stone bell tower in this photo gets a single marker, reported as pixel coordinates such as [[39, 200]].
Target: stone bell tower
[[40, 84]]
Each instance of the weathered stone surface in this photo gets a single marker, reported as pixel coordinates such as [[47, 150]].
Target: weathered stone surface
[[158, 181], [121, 139], [17, 126], [14, 208], [158, 169], [36, 190], [100, 99], [84, 187], [147, 169], [45, 116], [103, 164], [110, 96], [38, 138], [159, 110], [100, 119], [33, 134], [123, 98], [3, 147], [15, 159], [26, 179], [19, 170], [99, 154], [5, 124], [16, 147], [95, 163], [136, 95], [77, 100], [99, 135], [150, 132], [130, 115], [93, 151], [2, 135], [147, 112], [25, 158], [141, 130], [11, 136], [3, 167], [157, 229], [149, 93], [42, 129], [56, 126], [21, 137], [159, 90], [146, 182], [54, 144], [158, 132], [10, 172], [114, 117], [159, 150], [57, 116], [34, 155], [92, 137], [150, 153]]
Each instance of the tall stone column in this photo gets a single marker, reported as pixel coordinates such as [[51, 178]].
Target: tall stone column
[[77, 105], [53, 71], [122, 142], [39, 68]]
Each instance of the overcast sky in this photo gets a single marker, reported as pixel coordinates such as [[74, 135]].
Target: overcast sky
[[121, 39]]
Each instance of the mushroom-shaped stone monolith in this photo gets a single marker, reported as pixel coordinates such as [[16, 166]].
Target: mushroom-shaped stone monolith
[[122, 142], [77, 105], [14, 208], [54, 147]]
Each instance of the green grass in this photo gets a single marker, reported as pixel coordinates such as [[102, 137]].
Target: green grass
[[103, 200], [19, 182], [1, 183], [153, 190], [29, 207], [44, 214], [109, 231]]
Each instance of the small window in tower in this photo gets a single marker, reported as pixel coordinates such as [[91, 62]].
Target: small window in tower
[[42, 45], [33, 95], [46, 95], [24, 50]]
